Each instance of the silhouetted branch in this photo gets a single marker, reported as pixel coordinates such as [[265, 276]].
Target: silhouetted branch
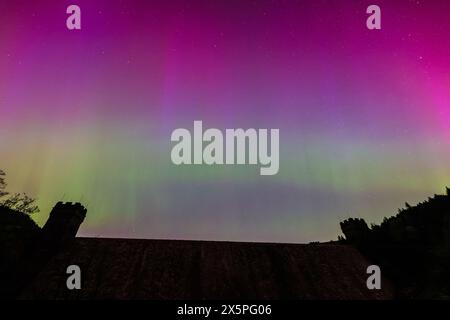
[[2, 184], [18, 202]]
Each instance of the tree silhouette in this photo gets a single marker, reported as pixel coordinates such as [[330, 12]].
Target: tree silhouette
[[412, 247], [18, 201], [2, 184]]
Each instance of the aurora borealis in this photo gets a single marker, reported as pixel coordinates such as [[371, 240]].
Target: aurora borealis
[[364, 115]]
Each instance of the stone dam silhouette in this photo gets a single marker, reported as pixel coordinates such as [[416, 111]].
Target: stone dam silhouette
[[36, 262]]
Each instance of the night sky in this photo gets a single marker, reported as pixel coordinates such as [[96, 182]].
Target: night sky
[[364, 115]]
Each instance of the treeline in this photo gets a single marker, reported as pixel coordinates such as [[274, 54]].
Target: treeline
[[412, 248]]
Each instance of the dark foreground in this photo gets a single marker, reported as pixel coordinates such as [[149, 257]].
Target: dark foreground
[[168, 269]]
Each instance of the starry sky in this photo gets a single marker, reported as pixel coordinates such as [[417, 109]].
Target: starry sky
[[86, 115]]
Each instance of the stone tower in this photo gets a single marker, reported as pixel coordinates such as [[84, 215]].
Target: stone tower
[[355, 230], [63, 223]]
